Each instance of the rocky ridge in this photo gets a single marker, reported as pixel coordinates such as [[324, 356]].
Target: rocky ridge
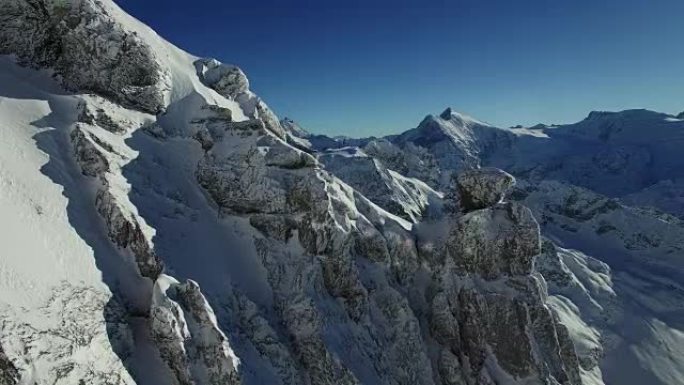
[[611, 153], [306, 276]]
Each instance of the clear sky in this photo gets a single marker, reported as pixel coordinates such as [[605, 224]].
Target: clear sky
[[370, 67]]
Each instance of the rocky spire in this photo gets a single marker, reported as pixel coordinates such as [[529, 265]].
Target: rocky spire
[[491, 308], [483, 187], [446, 114]]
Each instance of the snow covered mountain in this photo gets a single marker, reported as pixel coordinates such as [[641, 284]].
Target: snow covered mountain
[[161, 226], [607, 196]]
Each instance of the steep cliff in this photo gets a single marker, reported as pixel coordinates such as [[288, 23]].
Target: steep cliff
[[160, 225]]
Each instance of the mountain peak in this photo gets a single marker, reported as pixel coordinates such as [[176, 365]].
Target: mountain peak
[[458, 118], [633, 114], [446, 114], [293, 128]]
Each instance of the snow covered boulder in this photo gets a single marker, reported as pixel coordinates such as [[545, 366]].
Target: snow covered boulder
[[483, 187], [228, 80]]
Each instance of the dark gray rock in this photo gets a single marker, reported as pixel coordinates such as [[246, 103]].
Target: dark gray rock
[[184, 328], [278, 227], [490, 306], [82, 43], [483, 187], [125, 232], [8, 372], [499, 240], [92, 162]]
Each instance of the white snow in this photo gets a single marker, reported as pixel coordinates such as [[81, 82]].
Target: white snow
[[58, 267], [43, 254]]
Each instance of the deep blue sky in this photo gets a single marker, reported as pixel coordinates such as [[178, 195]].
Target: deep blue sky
[[376, 67]]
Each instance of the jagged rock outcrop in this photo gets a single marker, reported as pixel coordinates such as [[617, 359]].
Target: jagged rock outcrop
[[489, 313], [123, 228], [188, 337], [86, 46], [8, 373], [92, 162], [484, 187], [228, 80], [232, 83], [248, 171], [307, 276], [495, 241], [290, 199], [125, 231]]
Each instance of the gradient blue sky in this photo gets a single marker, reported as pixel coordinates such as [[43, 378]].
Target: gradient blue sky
[[376, 67]]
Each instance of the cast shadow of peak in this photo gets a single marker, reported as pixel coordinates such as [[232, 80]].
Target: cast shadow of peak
[[130, 292]]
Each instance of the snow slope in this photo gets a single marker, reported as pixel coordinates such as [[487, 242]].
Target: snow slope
[[57, 267]]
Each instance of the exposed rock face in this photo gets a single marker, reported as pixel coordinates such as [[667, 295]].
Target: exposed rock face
[[497, 324], [123, 228], [232, 83], [86, 47], [8, 373], [337, 289], [228, 80], [65, 329], [89, 158], [188, 337], [483, 187], [494, 241]]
